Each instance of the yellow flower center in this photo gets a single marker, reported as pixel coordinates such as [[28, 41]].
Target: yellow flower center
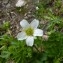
[[29, 31]]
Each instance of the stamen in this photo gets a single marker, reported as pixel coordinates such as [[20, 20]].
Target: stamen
[[29, 31]]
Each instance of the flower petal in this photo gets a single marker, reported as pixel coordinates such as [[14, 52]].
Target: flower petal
[[38, 32], [34, 23], [24, 23], [30, 41], [20, 3], [21, 36]]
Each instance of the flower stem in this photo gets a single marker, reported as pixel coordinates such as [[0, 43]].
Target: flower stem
[[36, 48]]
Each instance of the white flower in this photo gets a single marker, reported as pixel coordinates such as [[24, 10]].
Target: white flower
[[29, 31], [37, 8], [20, 3]]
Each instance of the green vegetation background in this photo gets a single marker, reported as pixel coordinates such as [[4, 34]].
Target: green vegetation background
[[43, 51]]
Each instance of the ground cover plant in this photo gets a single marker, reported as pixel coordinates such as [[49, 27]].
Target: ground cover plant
[[31, 31]]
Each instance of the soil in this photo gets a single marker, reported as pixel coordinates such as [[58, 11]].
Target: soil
[[8, 12]]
